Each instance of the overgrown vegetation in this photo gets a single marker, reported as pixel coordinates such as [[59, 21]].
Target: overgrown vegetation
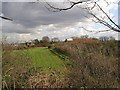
[[96, 62]]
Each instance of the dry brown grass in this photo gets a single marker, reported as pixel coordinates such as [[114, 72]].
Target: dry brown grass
[[48, 81]]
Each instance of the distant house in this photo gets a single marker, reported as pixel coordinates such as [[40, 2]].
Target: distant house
[[69, 39]]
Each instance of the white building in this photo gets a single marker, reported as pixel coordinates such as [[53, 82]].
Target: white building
[[69, 39]]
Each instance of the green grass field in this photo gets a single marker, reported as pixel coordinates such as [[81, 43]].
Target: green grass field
[[44, 59]]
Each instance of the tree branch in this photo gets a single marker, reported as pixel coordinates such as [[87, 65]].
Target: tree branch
[[95, 31], [62, 9], [100, 20], [107, 16], [6, 18]]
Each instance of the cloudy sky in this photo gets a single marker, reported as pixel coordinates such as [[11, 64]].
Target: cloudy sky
[[34, 20]]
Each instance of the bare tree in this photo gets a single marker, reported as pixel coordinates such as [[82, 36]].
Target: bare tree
[[111, 38], [90, 6], [45, 39], [84, 36], [104, 38], [55, 39]]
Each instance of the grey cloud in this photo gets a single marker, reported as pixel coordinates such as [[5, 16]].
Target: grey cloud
[[9, 27], [32, 15], [29, 16]]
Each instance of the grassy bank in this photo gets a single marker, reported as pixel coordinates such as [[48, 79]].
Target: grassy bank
[[96, 62]]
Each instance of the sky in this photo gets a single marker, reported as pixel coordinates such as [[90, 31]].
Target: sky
[[34, 20]]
